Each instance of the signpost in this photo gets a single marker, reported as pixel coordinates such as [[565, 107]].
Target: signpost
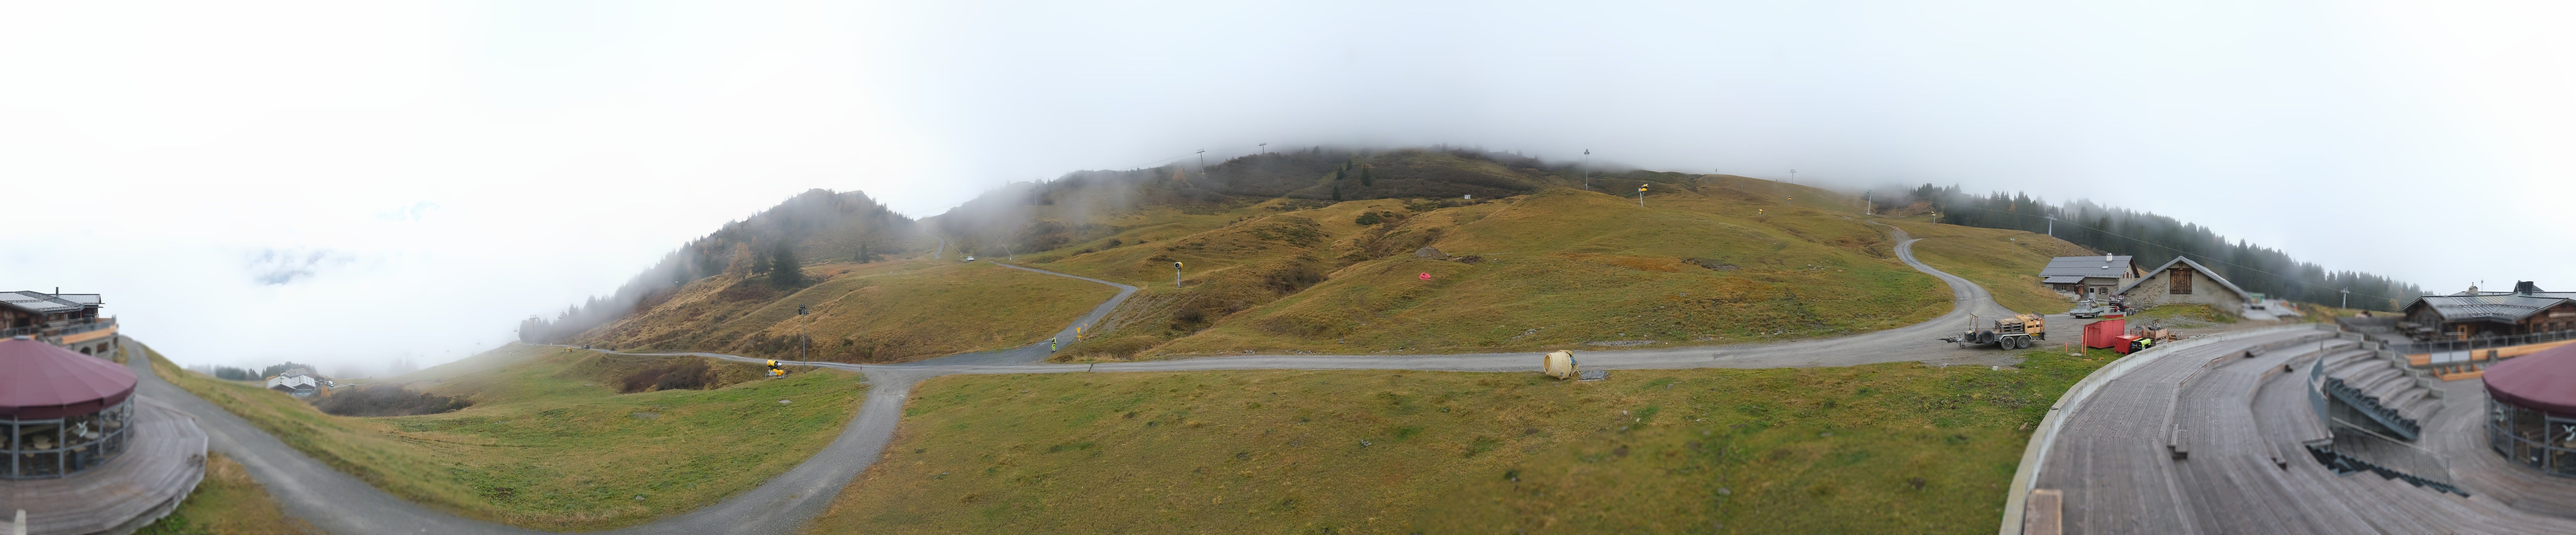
[[801, 339]]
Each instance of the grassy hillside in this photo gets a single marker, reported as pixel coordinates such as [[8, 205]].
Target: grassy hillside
[[551, 445], [1315, 251], [2006, 262], [228, 502], [881, 312], [1702, 263], [1887, 448]]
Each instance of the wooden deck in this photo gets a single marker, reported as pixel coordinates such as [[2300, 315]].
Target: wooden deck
[[161, 465], [2245, 423]]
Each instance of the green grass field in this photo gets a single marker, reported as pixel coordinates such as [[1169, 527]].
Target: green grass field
[[2006, 262], [1886, 448], [228, 502], [551, 445], [889, 311]]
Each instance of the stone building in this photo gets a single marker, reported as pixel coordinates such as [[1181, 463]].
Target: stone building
[[2182, 281]]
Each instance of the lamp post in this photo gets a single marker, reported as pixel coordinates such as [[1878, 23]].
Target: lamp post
[[1641, 195], [801, 339], [1176, 275], [1587, 169]]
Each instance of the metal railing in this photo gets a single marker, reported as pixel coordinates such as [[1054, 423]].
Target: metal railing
[[60, 328], [66, 450], [2370, 406], [2483, 342]]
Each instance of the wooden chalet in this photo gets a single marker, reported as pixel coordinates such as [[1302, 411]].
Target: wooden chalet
[[68, 320], [2474, 314]]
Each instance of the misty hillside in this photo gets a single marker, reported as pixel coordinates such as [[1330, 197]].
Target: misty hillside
[[815, 225], [728, 292], [1314, 250], [1077, 207]]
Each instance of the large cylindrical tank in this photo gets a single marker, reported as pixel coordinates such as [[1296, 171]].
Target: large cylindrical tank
[[1559, 364]]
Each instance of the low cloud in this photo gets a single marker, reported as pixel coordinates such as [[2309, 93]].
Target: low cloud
[[415, 212], [275, 267]]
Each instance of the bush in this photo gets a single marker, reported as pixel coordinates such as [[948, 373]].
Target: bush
[[373, 400], [688, 374], [274, 369]]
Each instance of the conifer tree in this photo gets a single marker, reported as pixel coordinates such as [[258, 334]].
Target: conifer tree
[[784, 270]]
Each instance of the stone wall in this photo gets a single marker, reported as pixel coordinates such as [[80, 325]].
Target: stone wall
[[2157, 289]]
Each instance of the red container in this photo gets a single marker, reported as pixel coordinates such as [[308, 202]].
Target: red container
[[2123, 346], [2098, 334]]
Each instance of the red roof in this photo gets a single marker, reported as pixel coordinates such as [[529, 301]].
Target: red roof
[[40, 380], [2544, 380]]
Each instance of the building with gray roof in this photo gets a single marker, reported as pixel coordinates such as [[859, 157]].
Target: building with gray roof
[[2477, 314], [2089, 277], [2183, 281], [68, 320]]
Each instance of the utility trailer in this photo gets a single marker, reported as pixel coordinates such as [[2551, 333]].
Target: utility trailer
[[2015, 333]]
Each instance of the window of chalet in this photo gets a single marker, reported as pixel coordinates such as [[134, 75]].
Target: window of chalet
[[2181, 281]]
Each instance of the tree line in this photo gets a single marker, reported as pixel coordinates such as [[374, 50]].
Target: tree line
[[2155, 239]]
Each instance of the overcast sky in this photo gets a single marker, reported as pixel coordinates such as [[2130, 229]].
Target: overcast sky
[[340, 183]]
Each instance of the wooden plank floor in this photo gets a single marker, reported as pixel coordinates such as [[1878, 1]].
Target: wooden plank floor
[[2245, 421], [161, 465], [2110, 459]]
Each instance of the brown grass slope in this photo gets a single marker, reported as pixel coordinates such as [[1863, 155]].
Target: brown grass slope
[[879, 312], [1710, 259]]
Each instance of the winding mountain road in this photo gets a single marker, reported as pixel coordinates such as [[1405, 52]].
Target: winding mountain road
[[343, 504]]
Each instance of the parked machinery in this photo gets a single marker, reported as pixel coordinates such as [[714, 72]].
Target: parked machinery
[[2015, 333], [2088, 309], [775, 371], [1559, 364]]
